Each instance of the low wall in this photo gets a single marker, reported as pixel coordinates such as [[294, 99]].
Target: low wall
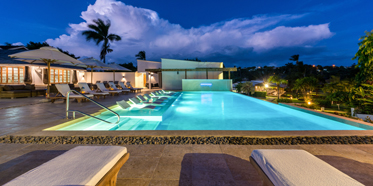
[[206, 84]]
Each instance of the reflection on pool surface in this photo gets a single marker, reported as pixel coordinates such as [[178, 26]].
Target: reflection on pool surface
[[207, 110]]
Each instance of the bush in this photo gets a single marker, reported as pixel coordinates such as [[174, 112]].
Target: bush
[[284, 101], [260, 94], [323, 102]]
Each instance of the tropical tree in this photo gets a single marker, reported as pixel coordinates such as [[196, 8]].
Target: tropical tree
[[279, 81], [365, 58], [141, 55], [100, 32], [247, 87], [36, 45]]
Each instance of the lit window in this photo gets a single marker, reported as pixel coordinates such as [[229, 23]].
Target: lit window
[[12, 75]]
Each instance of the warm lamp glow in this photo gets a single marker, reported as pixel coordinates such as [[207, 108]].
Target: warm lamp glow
[[266, 85], [313, 65], [309, 102], [333, 66]]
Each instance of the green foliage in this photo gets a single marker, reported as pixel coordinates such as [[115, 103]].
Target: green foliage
[[36, 45], [100, 33], [129, 66], [193, 59], [248, 87], [365, 58], [363, 98], [284, 101], [305, 85], [239, 87], [278, 80], [260, 94], [67, 53], [322, 102], [141, 55]]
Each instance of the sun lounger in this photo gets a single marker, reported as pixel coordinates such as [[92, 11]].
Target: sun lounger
[[297, 167], [124, 105], [82, 165], [62, 94], [135, 89], [101, 86], [150, 100], [84, 87], [155, 97], [112, 85], [168, 93], [136, 101], [124, 87]]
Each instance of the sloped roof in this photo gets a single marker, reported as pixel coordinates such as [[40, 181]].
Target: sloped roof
[[5, 59]]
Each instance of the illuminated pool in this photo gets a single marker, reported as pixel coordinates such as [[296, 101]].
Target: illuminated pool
[[219, 110]]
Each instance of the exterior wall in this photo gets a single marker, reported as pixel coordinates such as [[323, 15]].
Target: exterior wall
[[37, 73], [132, 77], [207, 84], [142, 65], [172, 80]]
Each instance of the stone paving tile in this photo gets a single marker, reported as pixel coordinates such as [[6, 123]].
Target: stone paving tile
[[353, 153], [177, 150], [148, 150], [138, 167], [169, 168], [240, 151], [366, 148], [133, 182], [164, 183]]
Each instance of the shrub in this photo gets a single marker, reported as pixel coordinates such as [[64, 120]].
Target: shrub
[[284, 101], [260, 94], [323, 102]]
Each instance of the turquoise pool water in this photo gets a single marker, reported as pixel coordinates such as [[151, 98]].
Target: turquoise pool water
[[206, 110]]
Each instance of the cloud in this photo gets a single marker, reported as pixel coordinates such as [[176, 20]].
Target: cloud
[[17, 44], [143, 29]]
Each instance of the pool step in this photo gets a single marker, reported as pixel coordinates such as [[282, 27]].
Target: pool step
[[129, 124], [138, 124]]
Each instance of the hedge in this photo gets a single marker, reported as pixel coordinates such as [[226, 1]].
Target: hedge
[[260, 94]]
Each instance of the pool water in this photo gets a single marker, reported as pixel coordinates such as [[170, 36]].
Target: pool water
[[208, 110]]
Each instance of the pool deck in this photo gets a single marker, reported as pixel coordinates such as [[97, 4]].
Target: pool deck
[[163, 164], [190, 164]]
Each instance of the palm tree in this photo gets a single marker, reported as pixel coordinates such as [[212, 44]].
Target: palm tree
[[278, 80], [100, 32], [141, 55], [247, 87]]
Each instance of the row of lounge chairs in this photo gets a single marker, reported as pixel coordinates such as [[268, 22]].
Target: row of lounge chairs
[[99, 165], [153, 101], [101, 91]]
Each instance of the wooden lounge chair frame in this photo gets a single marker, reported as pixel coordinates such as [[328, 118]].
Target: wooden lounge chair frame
[[266, 180], [59, 96], [110, 177]]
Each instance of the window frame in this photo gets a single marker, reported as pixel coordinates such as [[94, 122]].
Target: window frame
[[7, 74]]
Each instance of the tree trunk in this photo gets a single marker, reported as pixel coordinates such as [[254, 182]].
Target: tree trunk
[[278, 92]]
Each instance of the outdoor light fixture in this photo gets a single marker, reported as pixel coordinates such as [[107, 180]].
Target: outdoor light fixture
[[266, 85], [313, 65], [309, 103], [333, 66], [38, 70]]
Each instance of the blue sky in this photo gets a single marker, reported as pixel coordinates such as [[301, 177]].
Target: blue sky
[[241, 33]]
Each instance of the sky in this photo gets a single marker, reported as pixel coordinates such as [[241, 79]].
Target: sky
[[239, 33]]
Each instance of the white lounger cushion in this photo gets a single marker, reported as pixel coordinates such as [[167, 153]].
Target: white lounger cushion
[[298, 167], [85, 87], [64, 88], [83, 165]]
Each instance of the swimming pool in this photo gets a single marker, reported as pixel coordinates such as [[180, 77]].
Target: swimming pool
[[220, 110]]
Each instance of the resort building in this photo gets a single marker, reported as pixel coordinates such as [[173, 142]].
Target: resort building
[[14, 72], [169, 73]]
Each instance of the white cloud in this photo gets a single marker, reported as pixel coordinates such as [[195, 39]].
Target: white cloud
[[143, 29], [17, 44]]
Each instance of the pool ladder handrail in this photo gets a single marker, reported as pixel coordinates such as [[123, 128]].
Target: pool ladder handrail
[[95, 102]]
